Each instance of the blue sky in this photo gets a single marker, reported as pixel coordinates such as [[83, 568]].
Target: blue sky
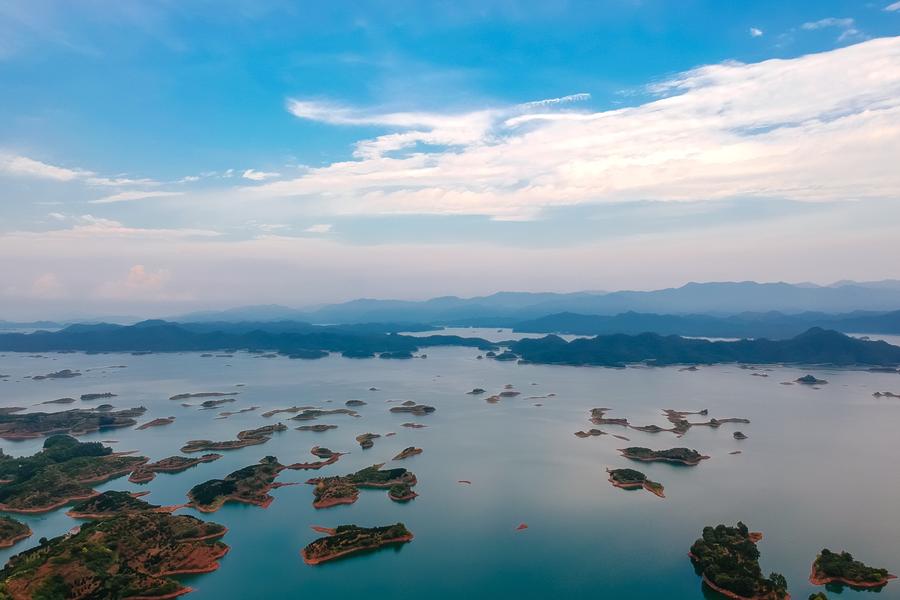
[[156, 156]]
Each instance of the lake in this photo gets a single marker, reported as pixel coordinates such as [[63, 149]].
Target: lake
[[818, 470]]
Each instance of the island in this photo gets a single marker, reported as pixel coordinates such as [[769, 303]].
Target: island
[[64, 374], [156, 423], [76, 421], [739, 435], [355, 403], [202, 395], [310, 414], [366, 440], [173, 464], [112, 503], [331, 491], [12, 531], [598, 417], [250, 437], [728, 560], [401, 492], [813, 347], [476, 391], [842, 568], [684, 456], [348, 539], [319, 428], [407, 452], [629, 479], [63, 471], [59, 401], [250, 485], [810, 380], [100, 396], [411, 407], [134, 555]]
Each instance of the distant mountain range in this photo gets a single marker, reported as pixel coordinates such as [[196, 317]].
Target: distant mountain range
[[508, 308]]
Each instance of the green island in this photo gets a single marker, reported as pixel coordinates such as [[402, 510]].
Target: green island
[[684, 456], [249, 437], [331, 491], [250, 485], [367, 440], [833, 567], [12, 531], [112, 503], [818, 596], [61, 472], [413, 408], [310, 414], [76, 421], [629, 479], [348, 539], [156, 423], [728, 560], [128, 556], [202, 395], [318, 428], [173, 464], [401, 492]]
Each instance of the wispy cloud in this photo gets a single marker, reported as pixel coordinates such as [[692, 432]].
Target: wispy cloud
[[846, 25], [28, 167], [892, 7], [319, 228], [755, 32], [134, 195], [254, 175], [818, 127]]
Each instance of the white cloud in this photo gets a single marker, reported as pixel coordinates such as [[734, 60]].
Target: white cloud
[[57, 216], [846, 25], [143, 284], [819, 127], [755, 32], [828, 22], [319, 228], [133, 195], [28, 167], [892, 7], [254, 175]]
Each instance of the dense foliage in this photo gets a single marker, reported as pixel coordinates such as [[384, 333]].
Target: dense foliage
[[728, 558], [844, 566]]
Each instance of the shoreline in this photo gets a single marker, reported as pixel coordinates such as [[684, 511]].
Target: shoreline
[[9, 543], [676, 461], [315, 561], [816, 580]]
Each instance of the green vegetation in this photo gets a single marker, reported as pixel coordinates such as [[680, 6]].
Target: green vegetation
[[728, 558], [351, 538], [250, 437], [250, 484], [76, 421], [330, 491], [630, 479], [125, 556], [12, 531], [110, 504], [62, 471], [844, 568], [678, 455]]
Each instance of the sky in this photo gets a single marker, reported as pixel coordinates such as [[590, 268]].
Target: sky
[[159, 157]]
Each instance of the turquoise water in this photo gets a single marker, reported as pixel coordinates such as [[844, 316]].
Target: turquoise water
[[819, 469]]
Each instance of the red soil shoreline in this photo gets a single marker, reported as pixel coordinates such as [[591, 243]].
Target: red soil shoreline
[[16, 539], [815, 580], [327, 557]]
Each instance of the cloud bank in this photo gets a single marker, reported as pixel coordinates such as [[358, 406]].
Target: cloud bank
[[820, 127]]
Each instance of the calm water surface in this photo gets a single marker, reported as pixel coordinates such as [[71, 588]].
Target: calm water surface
[[819, 469]]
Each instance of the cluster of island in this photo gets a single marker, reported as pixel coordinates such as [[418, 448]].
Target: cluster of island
[[131, 548]]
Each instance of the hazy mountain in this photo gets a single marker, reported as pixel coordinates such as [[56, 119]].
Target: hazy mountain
[[722, 298]]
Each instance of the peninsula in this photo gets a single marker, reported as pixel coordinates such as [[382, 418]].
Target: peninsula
[[134, 555], [629, 479]]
